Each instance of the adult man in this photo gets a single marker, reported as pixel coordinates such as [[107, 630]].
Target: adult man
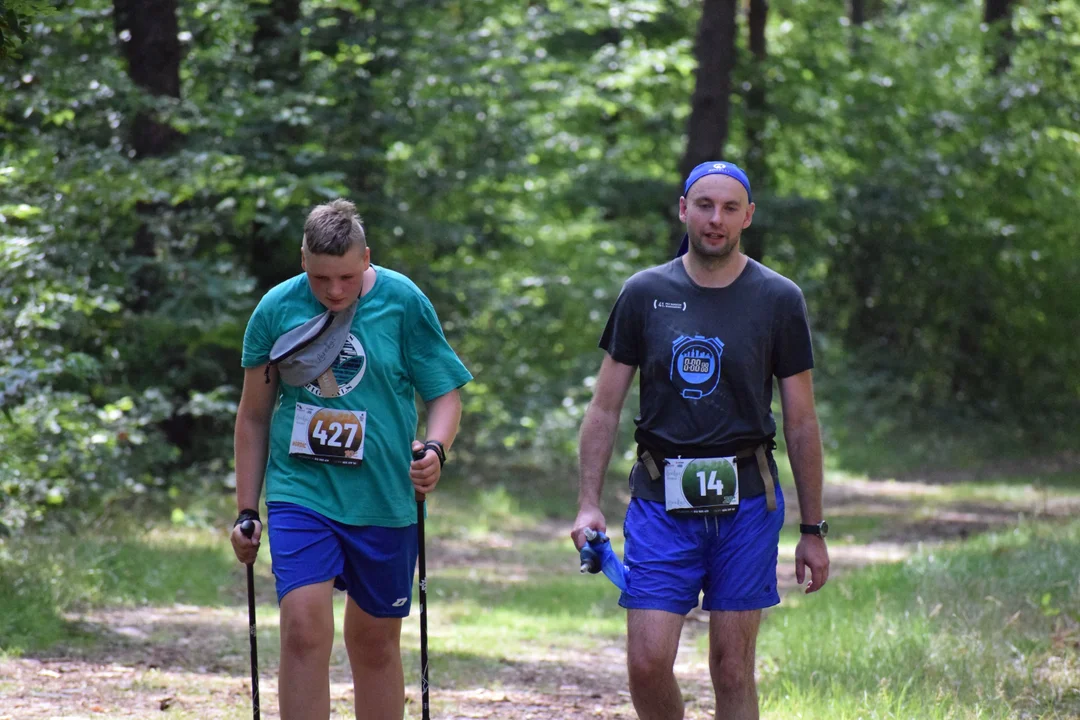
[[336, 446], [708, 330]]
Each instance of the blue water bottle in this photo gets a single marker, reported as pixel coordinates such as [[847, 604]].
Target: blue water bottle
[[598, 556]]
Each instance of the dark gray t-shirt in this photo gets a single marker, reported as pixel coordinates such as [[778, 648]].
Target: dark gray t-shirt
[[707, 356]]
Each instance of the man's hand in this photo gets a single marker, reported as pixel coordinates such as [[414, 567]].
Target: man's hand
[[426, 471], [246, 548], [588, 516], [812, 553]]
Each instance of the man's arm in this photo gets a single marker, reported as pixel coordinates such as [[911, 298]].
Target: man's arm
[[251, 441], [443, 419], [596, 440], [803, 438]]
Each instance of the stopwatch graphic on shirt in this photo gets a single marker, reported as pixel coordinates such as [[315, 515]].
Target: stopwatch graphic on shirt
[[695, 365]]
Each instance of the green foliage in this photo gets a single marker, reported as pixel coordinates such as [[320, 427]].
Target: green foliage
[[519, 162], [15, 17], [930, 230]]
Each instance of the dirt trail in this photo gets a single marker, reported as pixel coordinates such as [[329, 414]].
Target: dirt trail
[[191, 662]]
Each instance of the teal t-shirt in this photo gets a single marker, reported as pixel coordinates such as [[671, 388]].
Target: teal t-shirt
[[396, 349]]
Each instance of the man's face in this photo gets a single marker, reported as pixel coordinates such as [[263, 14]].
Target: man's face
[[336, 281], [715, 211]]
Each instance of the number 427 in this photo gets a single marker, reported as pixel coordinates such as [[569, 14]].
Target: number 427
[[710, 483], [337, 428]]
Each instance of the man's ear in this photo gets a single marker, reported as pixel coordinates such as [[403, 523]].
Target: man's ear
[[749, 216], [682, 209]]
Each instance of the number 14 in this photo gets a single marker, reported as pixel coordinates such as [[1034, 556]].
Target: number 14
[[712, 483]]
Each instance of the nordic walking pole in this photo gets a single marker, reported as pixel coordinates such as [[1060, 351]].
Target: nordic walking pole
[[422, 576], [248, 529]]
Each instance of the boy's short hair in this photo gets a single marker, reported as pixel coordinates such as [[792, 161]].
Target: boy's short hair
[[333, 228]]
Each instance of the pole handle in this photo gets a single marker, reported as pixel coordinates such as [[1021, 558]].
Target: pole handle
[[419, 455]]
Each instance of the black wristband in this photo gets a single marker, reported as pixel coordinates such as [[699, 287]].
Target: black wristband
[[440, 451], [247, 514]]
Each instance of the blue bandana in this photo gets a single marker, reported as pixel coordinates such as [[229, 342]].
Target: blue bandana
[[713, 167], [718, 167]]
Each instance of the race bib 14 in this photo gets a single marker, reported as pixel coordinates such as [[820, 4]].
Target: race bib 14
[[701, 486]]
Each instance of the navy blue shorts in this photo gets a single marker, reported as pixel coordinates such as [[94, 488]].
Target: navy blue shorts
[[373, 564], [673, 558]]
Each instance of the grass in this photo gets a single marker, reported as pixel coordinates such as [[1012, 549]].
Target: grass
[[44, 577], [987, 629], [982, 630]]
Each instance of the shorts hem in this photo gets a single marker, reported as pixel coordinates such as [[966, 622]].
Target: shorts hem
[[632, 603], [759, 603], [299, 584], [382, 615]]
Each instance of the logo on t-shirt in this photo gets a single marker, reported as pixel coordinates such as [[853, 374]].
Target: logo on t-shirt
[[661, 305], [348, 369], [695, 365]]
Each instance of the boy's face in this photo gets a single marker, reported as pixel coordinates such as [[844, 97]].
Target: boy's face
[[336, 281]]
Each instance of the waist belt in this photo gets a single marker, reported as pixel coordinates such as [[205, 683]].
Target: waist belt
[[653, 462]]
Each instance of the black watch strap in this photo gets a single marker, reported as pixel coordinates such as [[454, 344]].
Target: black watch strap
[[247, 514], [440, 451], [820, 529]]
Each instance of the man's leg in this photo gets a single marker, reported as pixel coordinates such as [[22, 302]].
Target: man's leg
[[374, 646], [307, 636], [732, 644], [652, 643]]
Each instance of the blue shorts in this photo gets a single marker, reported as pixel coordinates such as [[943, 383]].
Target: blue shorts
[[673, 558], [373, 564]]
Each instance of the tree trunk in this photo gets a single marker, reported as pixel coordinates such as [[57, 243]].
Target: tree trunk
[[858, 12], [998, 15], [756, 117], [714, 49], [276, 49], [148, 32]]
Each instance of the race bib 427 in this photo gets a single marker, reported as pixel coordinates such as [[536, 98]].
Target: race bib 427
[[328, 435]]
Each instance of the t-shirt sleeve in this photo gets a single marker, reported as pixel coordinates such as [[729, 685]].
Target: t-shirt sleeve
[[434, 367], [793, 352], [622, 335], [258, 337]]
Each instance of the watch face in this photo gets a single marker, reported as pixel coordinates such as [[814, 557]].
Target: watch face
[[824, 526]]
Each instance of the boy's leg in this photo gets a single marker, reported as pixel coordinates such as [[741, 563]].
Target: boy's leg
[[379, 567], [652, 643], [374, 646], [307, 636]]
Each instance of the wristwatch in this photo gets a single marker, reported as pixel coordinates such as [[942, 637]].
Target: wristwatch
[[821, 529]]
